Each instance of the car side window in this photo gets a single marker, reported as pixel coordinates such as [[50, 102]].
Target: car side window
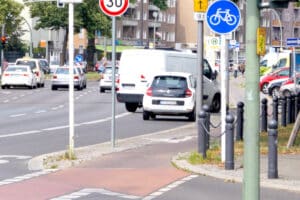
[[207, 69]]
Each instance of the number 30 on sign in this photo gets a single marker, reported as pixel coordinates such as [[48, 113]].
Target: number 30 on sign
[[113, 7]]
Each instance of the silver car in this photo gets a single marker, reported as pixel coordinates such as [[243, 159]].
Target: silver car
[[105, 82], [60, 78]]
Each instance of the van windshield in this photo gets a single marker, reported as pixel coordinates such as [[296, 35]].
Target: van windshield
[[27, 62]]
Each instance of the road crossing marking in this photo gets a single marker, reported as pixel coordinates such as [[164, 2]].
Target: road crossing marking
[[88, 191], [26, 176], [169, 187]]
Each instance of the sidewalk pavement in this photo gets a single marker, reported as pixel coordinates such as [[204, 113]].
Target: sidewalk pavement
[[288, 165]]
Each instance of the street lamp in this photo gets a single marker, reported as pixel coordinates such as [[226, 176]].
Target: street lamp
[[30, 46], [155, 15]]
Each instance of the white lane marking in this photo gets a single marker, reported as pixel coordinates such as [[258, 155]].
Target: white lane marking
[[40, 111], [169, 187], [14, 98], [174, 140], [26, 176], [55, 128], [20, 133], [60, 127], [3, 161], [88, 191], [17, 115], [6, 101], [105, 119]]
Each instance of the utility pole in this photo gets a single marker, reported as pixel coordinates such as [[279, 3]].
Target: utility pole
[[251, 183], [2, 51]]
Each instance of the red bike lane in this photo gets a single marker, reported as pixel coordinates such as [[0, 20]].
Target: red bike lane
[[138, 172]]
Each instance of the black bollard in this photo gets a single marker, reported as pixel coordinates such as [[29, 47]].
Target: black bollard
[[201, 133], [229, 151], [206, 108], [275, 108], [240, 121], [264, 114], [293, 103], [297, 104], [283, 111], [272, 154], [289, 110]]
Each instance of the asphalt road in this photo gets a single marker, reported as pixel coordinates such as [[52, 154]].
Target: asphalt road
[[35, 122]]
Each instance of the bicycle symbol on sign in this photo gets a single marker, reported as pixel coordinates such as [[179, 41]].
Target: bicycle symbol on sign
[[224, 15]]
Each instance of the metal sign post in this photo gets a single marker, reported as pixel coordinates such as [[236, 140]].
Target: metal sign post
[[113, 9], [223, 17]]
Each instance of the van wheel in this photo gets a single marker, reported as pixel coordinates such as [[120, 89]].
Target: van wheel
[[216, 104], [152, 115], [146, 115], [131, 107]]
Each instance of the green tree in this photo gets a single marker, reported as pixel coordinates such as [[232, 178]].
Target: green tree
[[11, 20], [49, 16], [93, 20]]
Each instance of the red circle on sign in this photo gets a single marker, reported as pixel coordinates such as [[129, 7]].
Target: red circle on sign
[[118, 12]]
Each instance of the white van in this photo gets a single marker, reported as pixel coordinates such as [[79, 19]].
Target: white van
[[137, 68]]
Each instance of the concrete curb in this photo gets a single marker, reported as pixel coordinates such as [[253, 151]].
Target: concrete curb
[[235, 175], [54, 160]]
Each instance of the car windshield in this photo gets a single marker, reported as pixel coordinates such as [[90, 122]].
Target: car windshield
[[169, 82], [64, 71], [108, 70]]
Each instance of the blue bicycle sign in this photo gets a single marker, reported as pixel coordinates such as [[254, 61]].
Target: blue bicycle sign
[[223, 16]]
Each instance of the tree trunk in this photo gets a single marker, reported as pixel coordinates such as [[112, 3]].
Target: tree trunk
[[91, 49], [64, 50]]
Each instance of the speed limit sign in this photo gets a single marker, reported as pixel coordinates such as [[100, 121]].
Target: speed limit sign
[[114, 7]]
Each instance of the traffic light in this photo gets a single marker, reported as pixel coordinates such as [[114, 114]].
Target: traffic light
[[60, 4], [3, 40]]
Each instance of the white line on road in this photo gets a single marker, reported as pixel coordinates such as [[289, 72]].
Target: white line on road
[[61, 127], [20, 133], [40, 111], [18, 115]]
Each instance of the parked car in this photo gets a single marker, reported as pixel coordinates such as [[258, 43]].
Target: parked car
[[274, 86], [60, 78], [18, 75], [288, 87], [36, 67], [45, 65], [105, 82], [277, 74], [170, 93], [53, 65]]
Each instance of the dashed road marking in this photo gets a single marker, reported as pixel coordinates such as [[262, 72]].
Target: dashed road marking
[[18, 115], [88, 191], [26, 176], [169, 187]]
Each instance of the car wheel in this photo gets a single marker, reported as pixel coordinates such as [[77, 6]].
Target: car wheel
[[146, 115], [43, 85], [216, 103], [152, 115], [265, 88], [275, 92], [131, 107], [3, 87], [286, 93], [192, 116], [102, 90], [38, 85], [53, 87]]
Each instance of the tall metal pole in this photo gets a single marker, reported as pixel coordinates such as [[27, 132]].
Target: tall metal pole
[[2, 51], [113, 96], [199, 94], [224, 91], [71, 83], [251, 182]]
